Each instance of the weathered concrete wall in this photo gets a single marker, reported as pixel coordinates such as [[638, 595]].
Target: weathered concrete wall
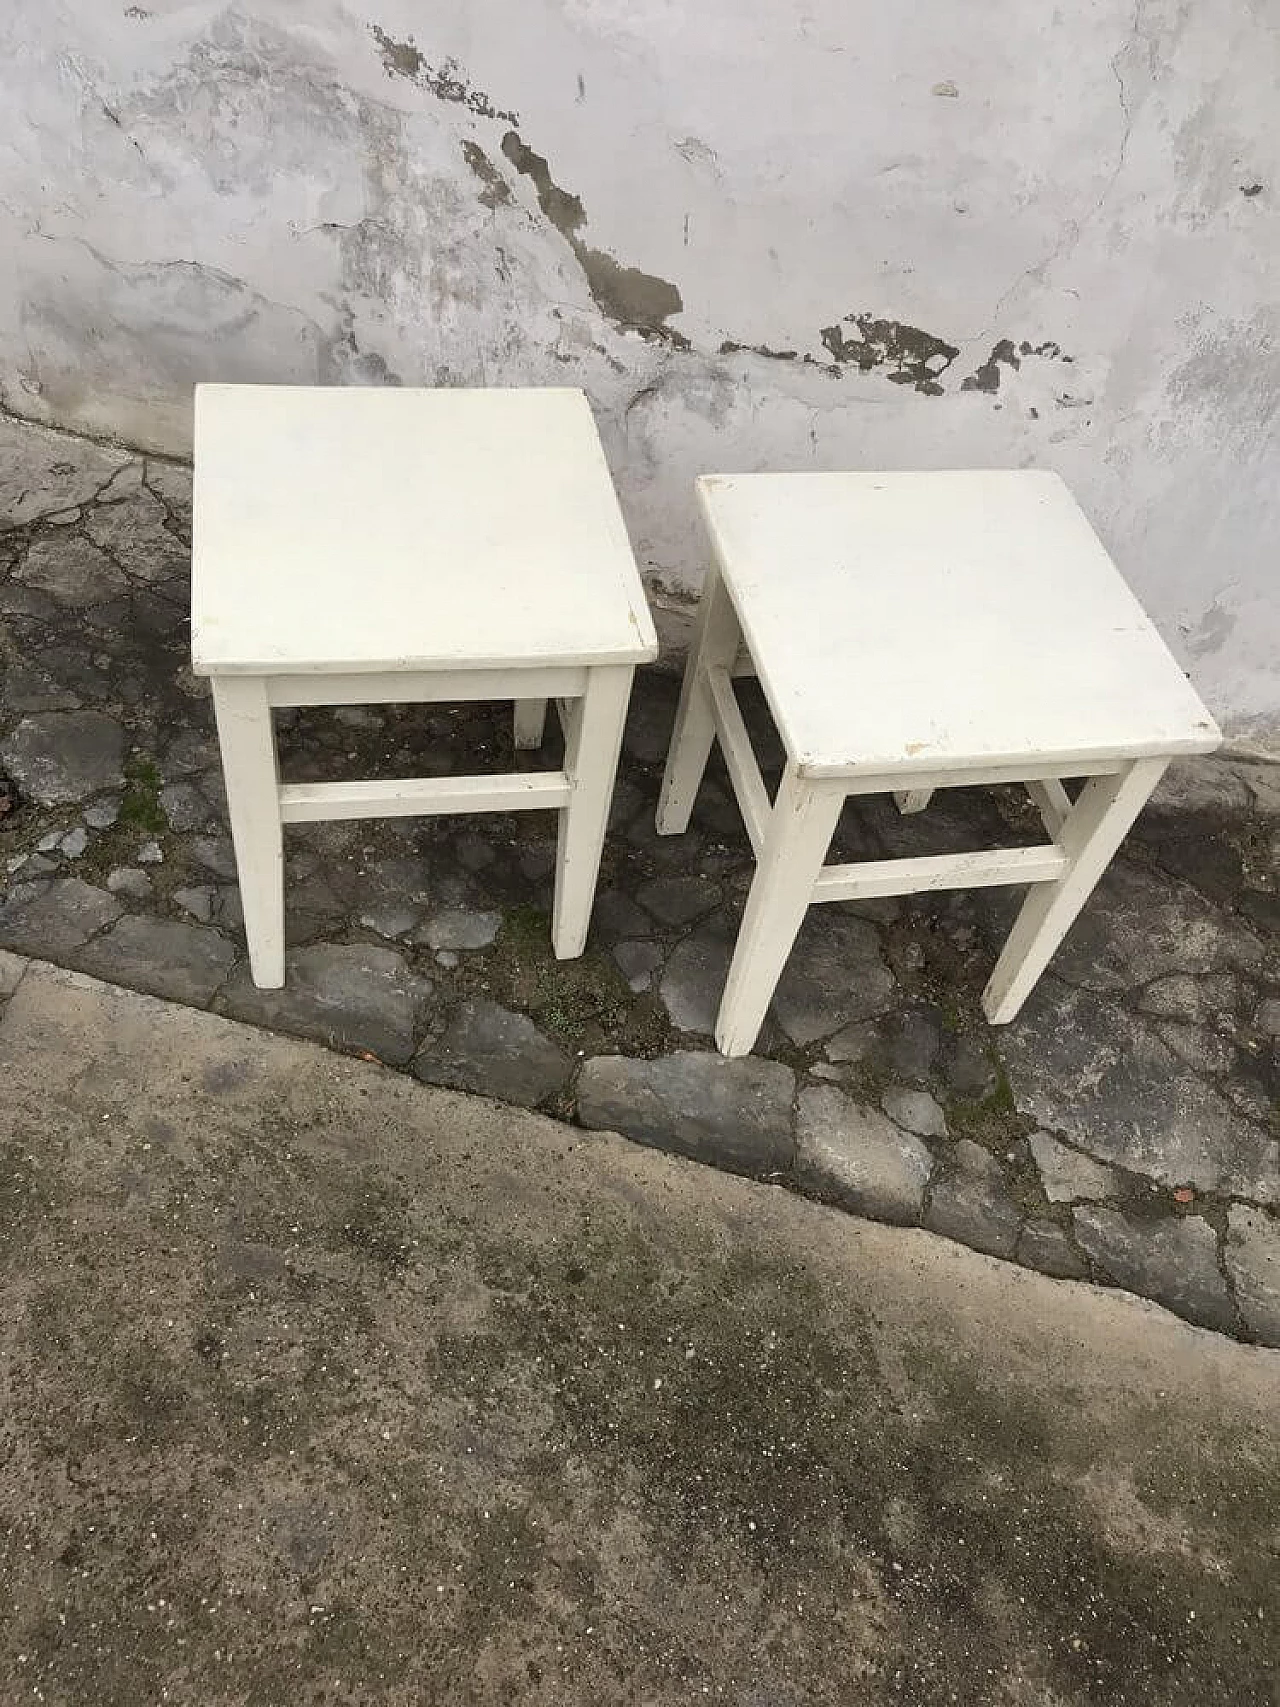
[[759, 235]]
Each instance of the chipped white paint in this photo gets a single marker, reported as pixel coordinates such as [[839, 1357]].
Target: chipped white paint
[[891, 574], [268, 192], [408, 539]]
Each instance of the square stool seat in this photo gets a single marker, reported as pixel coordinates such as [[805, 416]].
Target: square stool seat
[[914, 631], [364, 545]]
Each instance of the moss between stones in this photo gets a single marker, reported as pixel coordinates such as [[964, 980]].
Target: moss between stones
[[991, 1120], [140, 808], [584, 1005]]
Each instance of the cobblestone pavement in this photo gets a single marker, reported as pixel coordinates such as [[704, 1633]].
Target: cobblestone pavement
[[1124, 1129]]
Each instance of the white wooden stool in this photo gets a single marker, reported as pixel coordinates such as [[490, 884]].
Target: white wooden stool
[[354, 546], [914, 632]]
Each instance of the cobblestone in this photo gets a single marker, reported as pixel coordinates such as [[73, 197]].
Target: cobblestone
[[59, 757], [488, 1049], [1174, 1261], [12, 966], [73, 571], [856, 1157], [972, 1203], [835, 974], [678, 900], [1043, 1245], [1097, 1074], [54, 918], [1143, 1064], [351, 996], [638, 961], [164, 957], [1252, 1251], [915, 1111], [461, 927], [733, 1114], [1068, 1175], [694, 979]]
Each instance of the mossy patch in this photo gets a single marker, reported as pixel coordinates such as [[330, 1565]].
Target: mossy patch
[[140, 809], [991, 1120], [584, 1004]]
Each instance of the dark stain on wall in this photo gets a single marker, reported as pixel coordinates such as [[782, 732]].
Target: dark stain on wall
[[634, 300], [1004, 354], [445, 81], [729, 348], [562, 207], [496, 192], [914, 357], [987, 376]]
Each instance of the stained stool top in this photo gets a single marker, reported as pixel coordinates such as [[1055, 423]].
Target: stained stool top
[[942, 621], [379, 529]]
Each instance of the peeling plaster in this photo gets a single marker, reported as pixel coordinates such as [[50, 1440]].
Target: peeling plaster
[[242, 194], [729, 348], [913, 357], [1212, 632], [1004, 354], [496, 192], [633, 300], [987, 377], [445, 81]]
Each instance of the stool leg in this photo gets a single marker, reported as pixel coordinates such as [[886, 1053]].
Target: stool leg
[[593, 741], [1090, 835], [530, 719], [247, 740], [912, 800], [715, 642], [796, 842]]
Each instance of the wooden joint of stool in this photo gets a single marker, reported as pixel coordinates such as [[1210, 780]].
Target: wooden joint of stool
[[411, 687], [735, 743], [421, 797], [982, 870], [1052, 802]]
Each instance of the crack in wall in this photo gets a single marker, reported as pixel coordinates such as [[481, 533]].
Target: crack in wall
[[1073, 228]]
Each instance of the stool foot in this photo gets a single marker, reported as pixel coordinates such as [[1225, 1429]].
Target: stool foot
[[912, 800], [247, 741], [1091, 833], [799, 833]]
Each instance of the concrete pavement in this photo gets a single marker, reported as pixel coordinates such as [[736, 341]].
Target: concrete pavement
[[326, 1386]]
